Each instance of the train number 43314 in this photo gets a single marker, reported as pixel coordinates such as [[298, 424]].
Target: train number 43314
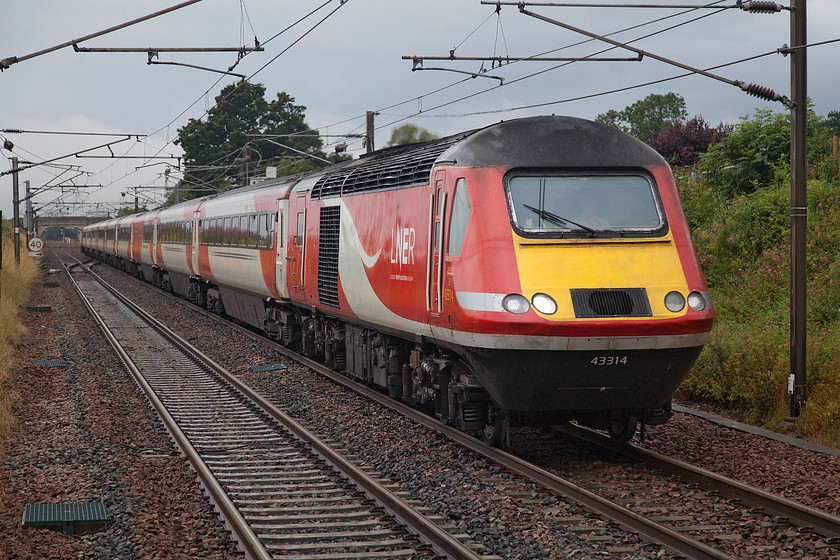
[[608, 360]]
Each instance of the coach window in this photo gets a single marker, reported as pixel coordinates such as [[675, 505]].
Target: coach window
[[243, 231], [253, 231], [460, 216], [228, 232], [300, 228], [262, 230]]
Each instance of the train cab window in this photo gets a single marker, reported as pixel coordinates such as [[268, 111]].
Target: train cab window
[[586, 205], [460, 215]]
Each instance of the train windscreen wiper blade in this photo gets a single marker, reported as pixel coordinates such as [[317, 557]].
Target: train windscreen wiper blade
[[559, 220]]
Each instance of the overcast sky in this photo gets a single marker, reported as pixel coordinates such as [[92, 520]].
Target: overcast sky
[[352, 63]]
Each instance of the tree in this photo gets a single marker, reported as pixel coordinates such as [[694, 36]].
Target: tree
[[409, 134], [218, 150], [647, 117], [756, 154], [683, 143], [832, 120], [129, 210]]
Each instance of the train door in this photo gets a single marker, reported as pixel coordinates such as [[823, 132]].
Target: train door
[[196, 224], [280, 247], [437, 215], [157, 251], [296, 249]]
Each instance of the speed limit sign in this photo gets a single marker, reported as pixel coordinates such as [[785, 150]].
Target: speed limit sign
[[35, 245]]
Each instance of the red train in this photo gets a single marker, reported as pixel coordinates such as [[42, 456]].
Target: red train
[[535, 270]]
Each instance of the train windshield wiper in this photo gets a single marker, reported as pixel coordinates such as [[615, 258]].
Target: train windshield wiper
[[558, 220]]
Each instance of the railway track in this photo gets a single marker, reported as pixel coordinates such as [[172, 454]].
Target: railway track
[[801, 518], [682, 541], [282, 491]]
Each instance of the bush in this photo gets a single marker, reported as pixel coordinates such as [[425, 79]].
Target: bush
[[683, 143], [744, 247]]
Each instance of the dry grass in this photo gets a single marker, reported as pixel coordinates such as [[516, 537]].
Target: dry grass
[[14, 293]]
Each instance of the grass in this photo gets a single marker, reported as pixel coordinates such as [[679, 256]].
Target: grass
[[15, 283]]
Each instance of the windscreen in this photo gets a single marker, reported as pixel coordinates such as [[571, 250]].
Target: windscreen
[[589, 205]]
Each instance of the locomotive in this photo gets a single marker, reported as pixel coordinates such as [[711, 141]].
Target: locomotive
[[536, 270]]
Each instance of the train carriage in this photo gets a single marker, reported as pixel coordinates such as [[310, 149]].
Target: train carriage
[[174, 247], [144, 245], [241, 251]]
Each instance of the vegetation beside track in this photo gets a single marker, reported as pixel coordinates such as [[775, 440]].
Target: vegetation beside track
[[741, 231], [15, 283]]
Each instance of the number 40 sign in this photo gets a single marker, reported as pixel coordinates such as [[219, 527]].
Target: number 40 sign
[[35, 245]]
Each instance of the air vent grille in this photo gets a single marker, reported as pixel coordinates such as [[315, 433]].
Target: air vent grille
[[401, 166], [328, 256], [623, 302]]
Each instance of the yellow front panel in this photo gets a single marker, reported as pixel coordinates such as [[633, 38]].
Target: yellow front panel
[[556, 266]]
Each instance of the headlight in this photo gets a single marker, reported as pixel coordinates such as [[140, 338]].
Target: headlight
[[696, 301], [515, 303], [544, 304], [675, 302]]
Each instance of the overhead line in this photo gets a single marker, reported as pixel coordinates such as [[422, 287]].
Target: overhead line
[[751, 89], [528, 76]]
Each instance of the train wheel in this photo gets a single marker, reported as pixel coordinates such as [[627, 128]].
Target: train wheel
[[622, 428], [496, 432]]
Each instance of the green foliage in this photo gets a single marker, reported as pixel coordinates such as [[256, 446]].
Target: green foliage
[[647, 117], [226, 144], [756, 154], [744, 245], [747, 158], [409, 134]]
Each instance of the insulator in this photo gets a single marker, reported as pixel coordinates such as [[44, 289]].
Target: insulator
[[761, 7], [762, 92]]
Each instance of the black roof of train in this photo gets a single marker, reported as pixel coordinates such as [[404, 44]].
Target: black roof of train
[[551, 141], [545, 141]]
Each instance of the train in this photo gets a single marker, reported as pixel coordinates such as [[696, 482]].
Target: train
[[537, 270]]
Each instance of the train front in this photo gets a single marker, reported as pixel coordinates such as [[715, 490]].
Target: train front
[[576, 275]]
